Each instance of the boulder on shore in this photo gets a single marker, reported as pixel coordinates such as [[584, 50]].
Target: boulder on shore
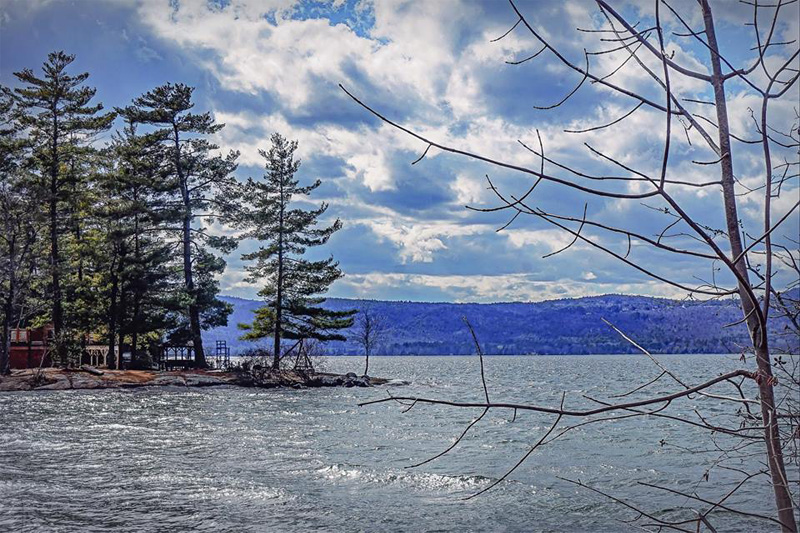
[[92, 378], [333, 380]]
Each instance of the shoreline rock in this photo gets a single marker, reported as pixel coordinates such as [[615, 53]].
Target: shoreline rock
[[79, 379]]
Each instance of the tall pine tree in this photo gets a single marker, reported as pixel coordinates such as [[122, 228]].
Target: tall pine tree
[[292, 285], [203, 190], [20, 225], [139, 279], [61, 125]]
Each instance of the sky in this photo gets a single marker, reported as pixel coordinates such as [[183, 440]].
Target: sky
[[436, 67]]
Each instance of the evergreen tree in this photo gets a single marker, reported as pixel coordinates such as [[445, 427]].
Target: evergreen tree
[[19, 228], [61, 125], [213, 311], [138, 277], [203, 190], [84, 251], [291, 284]]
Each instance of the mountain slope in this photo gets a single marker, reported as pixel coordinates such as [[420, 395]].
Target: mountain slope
[[572, 326]]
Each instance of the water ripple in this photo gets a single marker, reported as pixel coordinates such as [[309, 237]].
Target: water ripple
[[241, 460]]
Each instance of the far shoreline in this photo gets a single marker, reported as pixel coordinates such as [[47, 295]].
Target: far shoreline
[[671, 354]]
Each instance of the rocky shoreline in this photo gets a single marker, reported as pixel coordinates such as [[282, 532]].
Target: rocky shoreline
[[91, 378]]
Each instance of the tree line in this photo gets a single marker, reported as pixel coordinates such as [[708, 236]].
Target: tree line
[[113, 242]]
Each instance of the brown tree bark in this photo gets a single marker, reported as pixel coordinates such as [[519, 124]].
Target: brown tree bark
[[758, 334], [276, 361], [8, 308], [55, 257], [194, 310], [112, 318]]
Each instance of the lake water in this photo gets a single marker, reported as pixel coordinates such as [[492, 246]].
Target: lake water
[[238, 460]]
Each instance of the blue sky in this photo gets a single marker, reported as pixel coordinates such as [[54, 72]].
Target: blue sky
[[266, 66]]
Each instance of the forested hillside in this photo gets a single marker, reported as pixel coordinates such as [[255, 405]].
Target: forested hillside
[[572, 326]]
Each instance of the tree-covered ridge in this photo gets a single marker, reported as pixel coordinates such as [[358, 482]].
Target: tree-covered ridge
[[569, 326]]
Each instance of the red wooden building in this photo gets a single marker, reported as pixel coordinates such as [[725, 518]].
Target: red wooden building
[[29, 346]]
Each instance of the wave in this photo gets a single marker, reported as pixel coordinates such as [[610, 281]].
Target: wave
[[424, 481]]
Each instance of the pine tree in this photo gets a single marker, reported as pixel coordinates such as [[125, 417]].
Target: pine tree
[[292, 285], [61, 126], [84, 251], [138, 277], [203, 190], [19, 228]]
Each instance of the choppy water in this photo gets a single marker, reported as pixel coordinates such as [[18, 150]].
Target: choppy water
[[229, 459]]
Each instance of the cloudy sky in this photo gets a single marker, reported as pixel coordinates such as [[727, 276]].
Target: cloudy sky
[[275, 66]]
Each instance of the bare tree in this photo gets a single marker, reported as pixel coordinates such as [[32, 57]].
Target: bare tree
[[370, 328], [754, 261]]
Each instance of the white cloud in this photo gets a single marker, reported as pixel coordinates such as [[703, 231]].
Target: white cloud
[[468, 190], [548, 239], [430, 63], [478, 288], [417, 242], [363, 151], [410, 50]]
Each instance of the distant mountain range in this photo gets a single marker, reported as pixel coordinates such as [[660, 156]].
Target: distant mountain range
[[569, 326]]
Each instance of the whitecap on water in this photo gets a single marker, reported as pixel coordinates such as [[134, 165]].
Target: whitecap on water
[[424, 481], [397, 382]]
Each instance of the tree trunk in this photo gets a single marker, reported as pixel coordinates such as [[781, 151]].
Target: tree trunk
[[58, 312], [276, 361], [112, 318], [30, 349], [83, 324], [137, 293], [123, 302], [276, 358], [757, 333], [135, 325], [194, 310], [8, 307], [5, 351]]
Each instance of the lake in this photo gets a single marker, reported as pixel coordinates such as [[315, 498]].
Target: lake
[[233, 459]]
